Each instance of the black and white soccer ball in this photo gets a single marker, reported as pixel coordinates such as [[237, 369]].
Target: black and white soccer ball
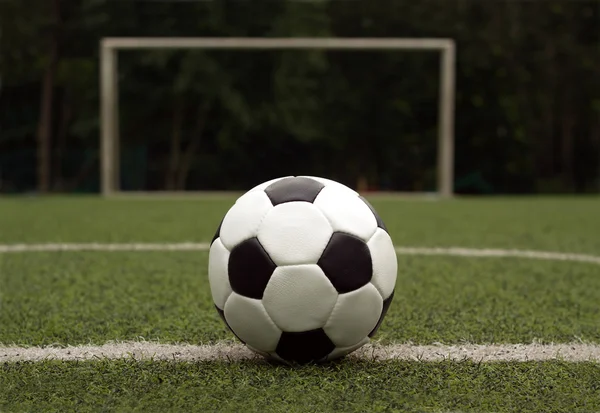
[[302, 269]]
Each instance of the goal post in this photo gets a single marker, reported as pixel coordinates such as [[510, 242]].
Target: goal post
[[109, 87]]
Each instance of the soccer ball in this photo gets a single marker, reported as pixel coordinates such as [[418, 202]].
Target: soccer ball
[[302, 269]]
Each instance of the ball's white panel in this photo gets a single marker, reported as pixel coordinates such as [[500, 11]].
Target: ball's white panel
[[354, 316], [346, 212], [294, 233], [299, 298], [257, 351], [343, 351], [251, 323], [272, 356], [334, 184], [218, 277], [262, 186], [244, 217], [385, 262]]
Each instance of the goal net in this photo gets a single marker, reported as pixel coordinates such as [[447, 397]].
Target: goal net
[[302, 118]]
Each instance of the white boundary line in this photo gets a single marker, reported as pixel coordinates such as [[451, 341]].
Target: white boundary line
[[575, 352], [190, 246], [228, 352]]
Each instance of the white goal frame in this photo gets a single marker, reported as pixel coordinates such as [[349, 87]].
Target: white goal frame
[[109, 88]]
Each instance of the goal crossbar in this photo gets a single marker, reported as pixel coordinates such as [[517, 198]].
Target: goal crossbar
[[109, 139]]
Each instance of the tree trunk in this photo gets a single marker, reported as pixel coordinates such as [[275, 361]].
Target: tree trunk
[[596, 140], [175, 147], [44, 133], [61, 141], [193, 146], [567, 125], [543, 122], [514, 17]]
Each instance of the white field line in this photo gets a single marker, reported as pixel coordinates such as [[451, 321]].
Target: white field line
[[235, 352], [228, 352], [190, 246]]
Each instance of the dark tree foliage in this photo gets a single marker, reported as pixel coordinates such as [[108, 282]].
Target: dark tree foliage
[[527, 105]]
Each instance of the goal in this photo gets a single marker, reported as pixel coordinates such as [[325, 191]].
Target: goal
[[109, 89]]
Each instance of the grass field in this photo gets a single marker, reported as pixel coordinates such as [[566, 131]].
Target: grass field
[[94, 297]]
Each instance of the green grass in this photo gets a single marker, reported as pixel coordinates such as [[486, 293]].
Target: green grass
[[257, 387], [556, 224], [94, 297]]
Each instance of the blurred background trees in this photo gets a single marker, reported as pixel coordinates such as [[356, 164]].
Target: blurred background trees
[[527, 108]]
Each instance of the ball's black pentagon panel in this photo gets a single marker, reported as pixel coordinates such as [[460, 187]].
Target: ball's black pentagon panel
[[293, 189], [304, 347], [346, 261], [386, 306], [222, 315], [380, 223], [217, 232], [250, 268]]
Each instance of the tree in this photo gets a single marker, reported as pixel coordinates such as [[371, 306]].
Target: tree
[[527, 103]]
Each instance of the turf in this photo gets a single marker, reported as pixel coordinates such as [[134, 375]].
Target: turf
[[127, 385], [92, 297], [555, 224]]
